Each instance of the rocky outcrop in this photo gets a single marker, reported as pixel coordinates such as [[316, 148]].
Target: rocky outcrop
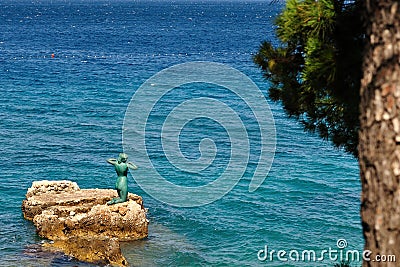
[[81, 224], [99, 250]]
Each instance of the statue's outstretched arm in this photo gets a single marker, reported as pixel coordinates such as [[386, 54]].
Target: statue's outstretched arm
[[112, 161], [132, 166]]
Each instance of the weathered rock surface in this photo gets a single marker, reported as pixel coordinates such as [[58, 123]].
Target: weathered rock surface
[[99, 250], [81, 224]]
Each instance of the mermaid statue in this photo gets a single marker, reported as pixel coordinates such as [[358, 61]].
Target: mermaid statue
[[121, 166]]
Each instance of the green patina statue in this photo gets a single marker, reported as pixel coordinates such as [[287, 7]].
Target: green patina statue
[[121, 166]]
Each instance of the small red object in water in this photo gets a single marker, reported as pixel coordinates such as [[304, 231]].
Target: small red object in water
[[52, 55]]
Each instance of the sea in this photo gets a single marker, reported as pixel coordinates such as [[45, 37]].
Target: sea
[[69, 69]]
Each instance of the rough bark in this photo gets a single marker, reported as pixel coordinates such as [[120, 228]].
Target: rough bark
[[379, 137]]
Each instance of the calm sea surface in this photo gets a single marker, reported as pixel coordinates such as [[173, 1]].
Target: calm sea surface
[[62, 117]]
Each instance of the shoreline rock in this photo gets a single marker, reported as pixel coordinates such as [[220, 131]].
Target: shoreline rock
[[107, 250], [80, 222]]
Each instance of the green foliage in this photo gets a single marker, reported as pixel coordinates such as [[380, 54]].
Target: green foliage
[[316, 71], [342, 264]]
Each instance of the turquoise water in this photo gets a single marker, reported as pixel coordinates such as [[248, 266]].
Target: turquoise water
[[62, 117]]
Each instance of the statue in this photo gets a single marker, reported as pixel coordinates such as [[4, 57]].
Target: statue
[[121, 166]]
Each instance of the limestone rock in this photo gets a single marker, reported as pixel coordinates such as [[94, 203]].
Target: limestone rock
[[107, 250], [64, 213]]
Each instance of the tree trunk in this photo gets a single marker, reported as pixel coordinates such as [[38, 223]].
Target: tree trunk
[[379, 136]]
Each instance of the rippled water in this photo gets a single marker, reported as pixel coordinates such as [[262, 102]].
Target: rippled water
[[62, 117]]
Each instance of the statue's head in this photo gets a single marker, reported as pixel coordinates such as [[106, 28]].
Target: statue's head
[[122, 157]]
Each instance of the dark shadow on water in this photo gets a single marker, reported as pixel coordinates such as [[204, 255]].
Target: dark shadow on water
[[37, 255]]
